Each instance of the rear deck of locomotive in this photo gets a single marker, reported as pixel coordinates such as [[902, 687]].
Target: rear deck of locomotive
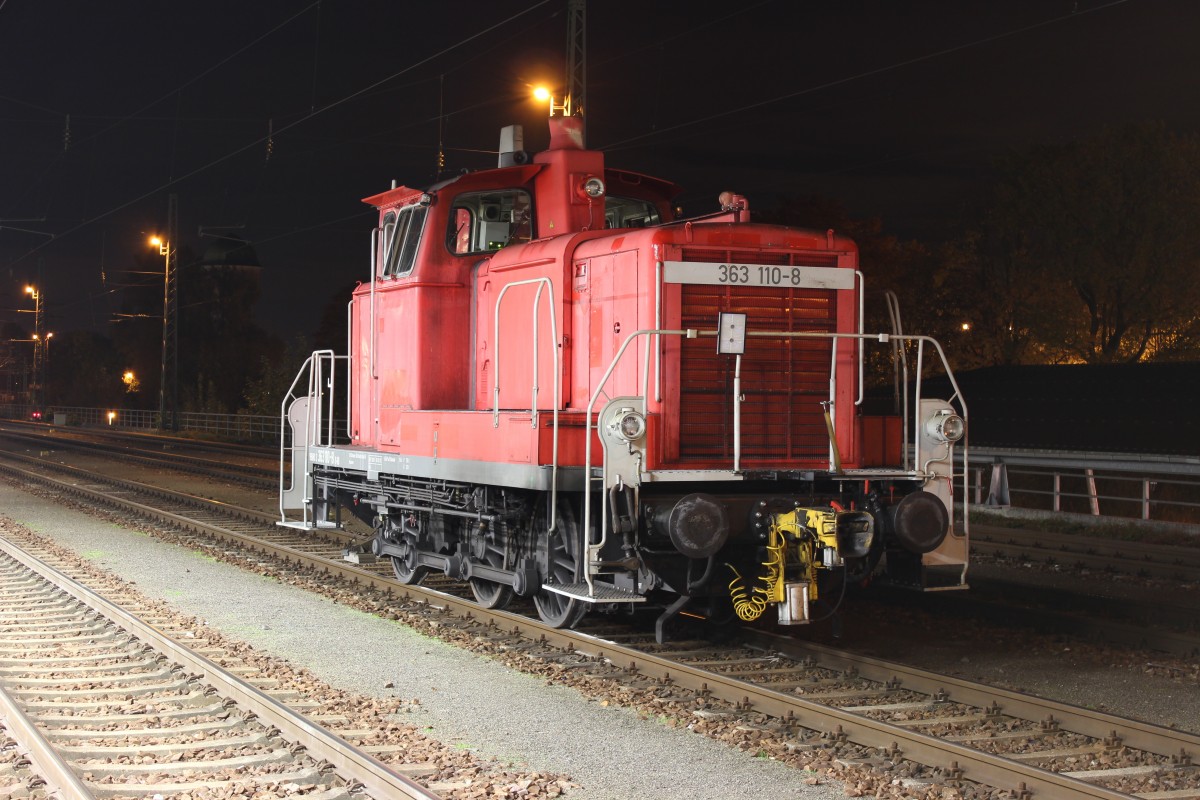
[[682, 397]]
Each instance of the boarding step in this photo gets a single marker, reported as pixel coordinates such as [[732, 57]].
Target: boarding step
[[310, 525], [603, 592]]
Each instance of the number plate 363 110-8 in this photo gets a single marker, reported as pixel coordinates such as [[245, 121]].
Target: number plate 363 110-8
[[774, 275]]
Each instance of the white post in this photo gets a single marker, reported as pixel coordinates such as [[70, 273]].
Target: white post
[[1093, 499]]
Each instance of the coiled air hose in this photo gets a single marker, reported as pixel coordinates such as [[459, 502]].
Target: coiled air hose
[[749, 605]]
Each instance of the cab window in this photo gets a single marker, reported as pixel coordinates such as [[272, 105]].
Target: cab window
[[628, 212], [386, 232], [401, 239], [481, 222]]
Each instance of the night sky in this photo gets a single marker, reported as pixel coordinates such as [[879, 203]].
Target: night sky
[[271, 119]]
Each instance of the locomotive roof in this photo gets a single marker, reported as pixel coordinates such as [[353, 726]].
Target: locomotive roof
[[403, 195], [564, 136]]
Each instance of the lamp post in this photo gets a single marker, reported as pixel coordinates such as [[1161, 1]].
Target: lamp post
[[544, 95], [41, 366], [170, 337], [35, 388], [164, 249]]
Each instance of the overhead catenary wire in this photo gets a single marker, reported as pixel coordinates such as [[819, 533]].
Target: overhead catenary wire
[[625, 143], [261, 140]]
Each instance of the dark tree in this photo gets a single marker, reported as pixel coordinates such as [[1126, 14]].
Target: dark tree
[[136, 330], [331, 329], [905, 268], [85, 370], [221, 348], [265, 392], [1090, 252]]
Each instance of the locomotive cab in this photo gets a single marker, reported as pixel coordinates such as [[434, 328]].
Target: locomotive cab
[[556, 389]]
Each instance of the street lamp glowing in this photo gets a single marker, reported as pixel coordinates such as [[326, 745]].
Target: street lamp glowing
[[164, 247], [544, 95]]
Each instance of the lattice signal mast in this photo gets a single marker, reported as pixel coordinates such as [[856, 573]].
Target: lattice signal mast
[[577, 59]]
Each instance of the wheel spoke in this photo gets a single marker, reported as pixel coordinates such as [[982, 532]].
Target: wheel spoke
[[406, 566], [491, 594], [407, 574]]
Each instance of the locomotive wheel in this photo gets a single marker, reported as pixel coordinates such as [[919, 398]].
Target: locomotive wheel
[[490, 594], [407, 574], [557, 610], [405, 567]]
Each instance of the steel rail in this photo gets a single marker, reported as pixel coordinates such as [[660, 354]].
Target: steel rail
[[1152, 738], [375, 776], [955, 760], [128, 435], [1164, 561], [47, 761], [227, 470], [1025, 548], [991, 603]]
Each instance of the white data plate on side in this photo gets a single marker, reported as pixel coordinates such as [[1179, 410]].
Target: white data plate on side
[[773, 275]]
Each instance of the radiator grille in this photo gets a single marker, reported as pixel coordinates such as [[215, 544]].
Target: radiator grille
[[783, 380]]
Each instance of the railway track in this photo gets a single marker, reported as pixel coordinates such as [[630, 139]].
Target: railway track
[[1106, 601], [107, 704], [241, 466], [1090, 555], [148, 440], [940, 728]]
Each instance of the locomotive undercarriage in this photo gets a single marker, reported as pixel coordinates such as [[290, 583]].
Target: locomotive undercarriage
[[731, 552], [738, 549], [497, 538]]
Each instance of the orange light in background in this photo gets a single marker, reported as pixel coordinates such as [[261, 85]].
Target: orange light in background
[[112, 415]]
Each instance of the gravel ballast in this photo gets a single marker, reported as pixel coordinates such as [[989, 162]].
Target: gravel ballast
[[454, 696]]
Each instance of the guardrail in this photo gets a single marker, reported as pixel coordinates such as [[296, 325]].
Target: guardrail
[[239, 427], [1110, 485]]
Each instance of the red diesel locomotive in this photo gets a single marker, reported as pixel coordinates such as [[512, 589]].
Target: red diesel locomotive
[[556, 389]]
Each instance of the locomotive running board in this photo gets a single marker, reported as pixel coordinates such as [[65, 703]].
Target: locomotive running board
[[603, 593], [307, 525]]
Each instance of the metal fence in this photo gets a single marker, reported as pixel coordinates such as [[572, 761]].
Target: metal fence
[[1110, 485], [238, 427]]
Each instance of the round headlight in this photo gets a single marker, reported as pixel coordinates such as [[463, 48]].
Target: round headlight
[[630, 425], [593, 187], [946, 427]]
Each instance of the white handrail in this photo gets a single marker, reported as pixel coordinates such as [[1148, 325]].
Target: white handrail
[[589, 577], [593, 550], [311, 367], [541, 283]]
